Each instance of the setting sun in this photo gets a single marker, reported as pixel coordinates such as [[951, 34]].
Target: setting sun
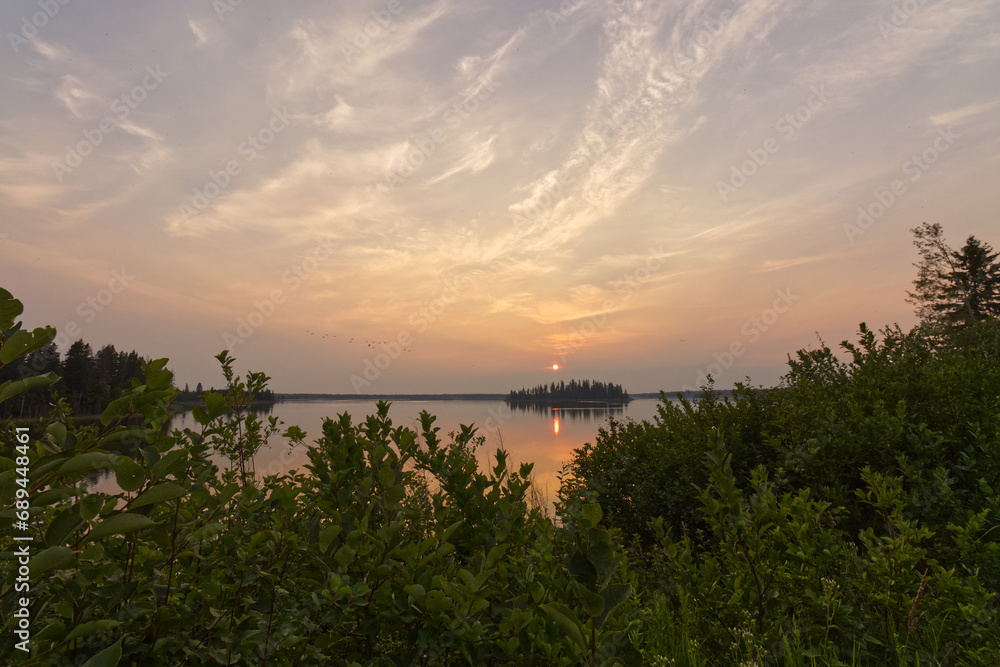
[[555, 367]]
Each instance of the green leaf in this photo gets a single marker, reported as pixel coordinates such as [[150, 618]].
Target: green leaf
[[91, 627], [158, 494], [55, 630], [344, 555], [564, 618], [450, 530], [171, 461], [14, 346], [58, 432], [9, 309], [65, 523], [496, 553], [117, 408], [593, 603], [87, 462], [614, 595], [119, 523], [200, 415], [129, 474], [581, 567], [601, 555], [52, 496], [327, 535], [48, 559], [417, 591], [592, 514], [215, 403], [109, 657], [387, 476], [151, 454], [51, 462], [91, 505], [22, 342], [158, 379], [9, 389], [394, 496]]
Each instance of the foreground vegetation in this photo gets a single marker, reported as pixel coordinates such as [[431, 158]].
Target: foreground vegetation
[[846, 517]]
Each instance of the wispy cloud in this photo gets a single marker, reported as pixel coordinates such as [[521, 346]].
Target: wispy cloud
[[73, 94], [606, 135], [199, 31], [478, 157]]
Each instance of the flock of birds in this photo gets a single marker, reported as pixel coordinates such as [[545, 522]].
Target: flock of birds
[[369, 343]]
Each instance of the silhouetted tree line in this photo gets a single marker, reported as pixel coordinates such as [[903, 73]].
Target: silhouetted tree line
[[587, 390], [88, 381], [261, 400]]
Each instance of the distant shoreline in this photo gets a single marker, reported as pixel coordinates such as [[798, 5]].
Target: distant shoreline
[[451, 397]]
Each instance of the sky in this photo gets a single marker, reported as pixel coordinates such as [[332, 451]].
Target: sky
[[407, 196]]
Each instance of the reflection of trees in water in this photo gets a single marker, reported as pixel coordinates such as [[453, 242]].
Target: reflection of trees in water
[[132, 447], [264, 409], [572, 413]]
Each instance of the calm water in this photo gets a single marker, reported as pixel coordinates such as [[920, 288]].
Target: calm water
[[545, 437]]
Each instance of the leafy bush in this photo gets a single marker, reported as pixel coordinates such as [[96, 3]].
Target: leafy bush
[[847, 515], [639, 470], [391, 548]]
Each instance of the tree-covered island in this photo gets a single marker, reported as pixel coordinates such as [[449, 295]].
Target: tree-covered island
[[586, 392]]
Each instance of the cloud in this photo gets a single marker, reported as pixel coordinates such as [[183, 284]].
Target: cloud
[[872, 51], [478, 157], [199, 31], [338, 54], [962, 114], [778, 265], [53, 52], [74, 96], [643, 99], [606, 136]]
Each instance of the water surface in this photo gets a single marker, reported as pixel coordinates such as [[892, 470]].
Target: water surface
[[541, 435]]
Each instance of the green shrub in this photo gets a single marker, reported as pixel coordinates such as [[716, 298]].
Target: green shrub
[[390, 548]]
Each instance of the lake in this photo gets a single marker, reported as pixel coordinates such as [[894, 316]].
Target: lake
[[543, 436]]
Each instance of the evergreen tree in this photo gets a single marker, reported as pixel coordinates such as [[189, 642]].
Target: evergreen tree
[[79, 378], [954, 289], [586, 390]]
